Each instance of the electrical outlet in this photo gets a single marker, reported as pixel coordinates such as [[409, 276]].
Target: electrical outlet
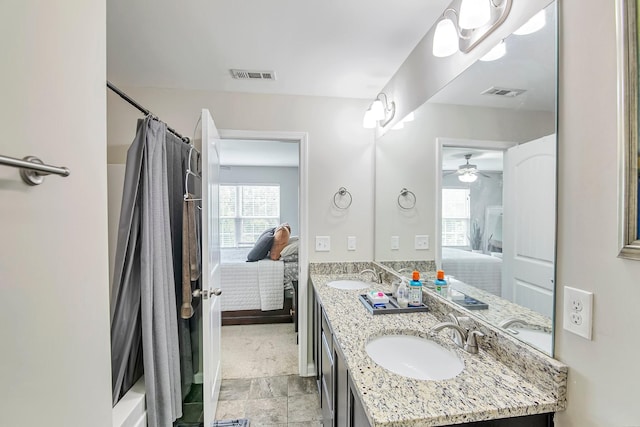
[[575, 319], [421, 242], [323, 243], [578, 309], [576, 305], [351, 243], [395, 243]]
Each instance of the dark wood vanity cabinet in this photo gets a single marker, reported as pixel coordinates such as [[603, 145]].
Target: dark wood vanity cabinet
[[341, 406]]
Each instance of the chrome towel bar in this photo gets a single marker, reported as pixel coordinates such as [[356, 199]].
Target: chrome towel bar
[[32, 170]]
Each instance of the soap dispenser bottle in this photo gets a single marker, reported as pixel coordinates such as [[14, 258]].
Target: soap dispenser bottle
[[403, 294], [442, 287], [415, 290]]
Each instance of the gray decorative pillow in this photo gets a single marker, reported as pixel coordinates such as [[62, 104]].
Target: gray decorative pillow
[[262, 246], [290, 249]]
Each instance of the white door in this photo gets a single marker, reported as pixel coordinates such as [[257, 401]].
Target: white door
[[529, 224], [55, 364], [211, 322]]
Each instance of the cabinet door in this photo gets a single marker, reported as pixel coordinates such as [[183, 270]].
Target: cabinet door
[[317, 345], [341, 388], [326, 398], [357, 417]]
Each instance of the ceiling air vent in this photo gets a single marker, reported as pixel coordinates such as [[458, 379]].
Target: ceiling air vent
[[501, 91], [252, 74]]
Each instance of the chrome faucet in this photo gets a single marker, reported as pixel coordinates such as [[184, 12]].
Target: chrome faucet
[[464, 338], [511, 321], [376, 276]]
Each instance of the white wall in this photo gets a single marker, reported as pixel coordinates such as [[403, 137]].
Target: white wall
[[115, 183], [604, 372], [54, 313], [340, 150], [407, 158], [286, 177]]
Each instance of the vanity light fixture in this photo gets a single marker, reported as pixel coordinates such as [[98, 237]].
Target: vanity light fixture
[[381, 111], [474, 13], [497, 52], [445, 39], [537, 22], [465, 23]]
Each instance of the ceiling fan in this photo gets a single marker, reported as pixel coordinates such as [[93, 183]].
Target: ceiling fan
[[468, 172]]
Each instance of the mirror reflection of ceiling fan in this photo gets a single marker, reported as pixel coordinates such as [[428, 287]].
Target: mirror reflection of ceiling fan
[[468, 172]]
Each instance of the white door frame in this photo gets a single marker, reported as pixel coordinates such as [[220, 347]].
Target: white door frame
[[453, 142], [302, 138]]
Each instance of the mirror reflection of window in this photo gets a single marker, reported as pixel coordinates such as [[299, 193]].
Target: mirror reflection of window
[[456, 216]]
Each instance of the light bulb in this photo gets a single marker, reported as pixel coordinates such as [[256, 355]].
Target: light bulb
[[445, 39], [368, 122], [536, 22], [468, 177], [474, 13], [497, 52], [377, 110]]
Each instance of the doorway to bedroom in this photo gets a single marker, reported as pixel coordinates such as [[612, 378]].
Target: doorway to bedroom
[[261, 231]]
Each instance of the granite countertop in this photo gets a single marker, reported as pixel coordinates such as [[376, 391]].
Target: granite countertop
[[486, 389]]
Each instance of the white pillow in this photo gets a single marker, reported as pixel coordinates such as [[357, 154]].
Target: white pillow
[[290, 249]]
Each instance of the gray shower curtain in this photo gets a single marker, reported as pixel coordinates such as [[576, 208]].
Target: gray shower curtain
[[143, 309]]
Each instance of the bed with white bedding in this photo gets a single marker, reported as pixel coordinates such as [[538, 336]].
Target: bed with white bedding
[[475, 269], [255, 292]]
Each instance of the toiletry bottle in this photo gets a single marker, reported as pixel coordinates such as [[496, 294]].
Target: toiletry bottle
[[442, 287], [403, 294], [395, 285], [415, 290]]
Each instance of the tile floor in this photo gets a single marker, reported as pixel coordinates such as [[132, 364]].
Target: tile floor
[[260, 380]]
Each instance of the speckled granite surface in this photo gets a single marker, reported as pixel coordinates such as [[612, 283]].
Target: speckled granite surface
[[505, 379]]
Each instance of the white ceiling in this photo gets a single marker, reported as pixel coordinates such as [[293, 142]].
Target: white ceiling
[[324, 48], [485, 160]]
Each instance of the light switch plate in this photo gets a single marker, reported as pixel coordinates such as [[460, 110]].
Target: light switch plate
[[323, 243], [351, 243], [395, 243], [578, 310], [422, 242]]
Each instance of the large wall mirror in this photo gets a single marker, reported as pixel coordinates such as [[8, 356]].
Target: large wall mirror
[[629, 124], [480, 158]]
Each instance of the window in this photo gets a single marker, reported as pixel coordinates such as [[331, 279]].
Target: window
[[246, 211], [456, 215]]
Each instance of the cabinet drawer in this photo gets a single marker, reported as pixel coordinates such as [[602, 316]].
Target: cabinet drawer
[[327, 408], [327, 369], [327, 331]]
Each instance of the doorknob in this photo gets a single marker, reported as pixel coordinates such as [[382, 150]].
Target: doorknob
[[205, 293]]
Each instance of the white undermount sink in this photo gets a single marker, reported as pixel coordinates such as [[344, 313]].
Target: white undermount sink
[[348, 284], [539, 339], [414, 357]]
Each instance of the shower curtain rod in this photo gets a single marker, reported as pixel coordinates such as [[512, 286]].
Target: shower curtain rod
[[142, 109]]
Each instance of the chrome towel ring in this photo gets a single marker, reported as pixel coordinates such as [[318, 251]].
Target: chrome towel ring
[[406, 199], [342, 199]]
